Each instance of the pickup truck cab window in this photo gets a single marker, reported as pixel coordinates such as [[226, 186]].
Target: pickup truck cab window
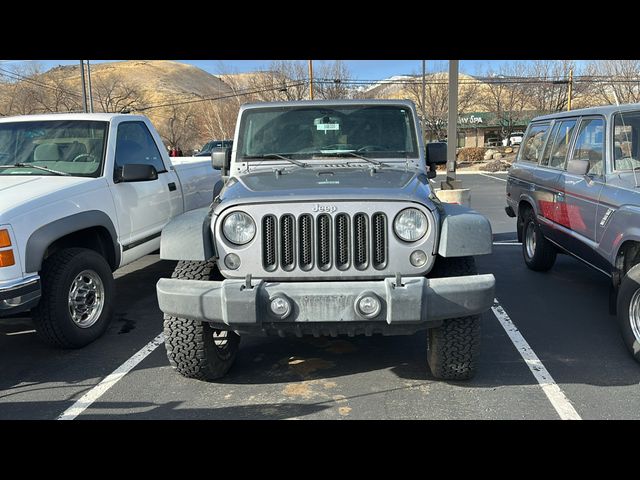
[[561, 143], [590, 144], [626, 155], [52, 148], [534, 143], [135, 145]]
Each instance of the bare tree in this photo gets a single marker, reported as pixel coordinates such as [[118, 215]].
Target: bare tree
[[505, 96], [283, 81], [178, 126], [615, 81], [333, 81], [113, 93], [548, 92], [436, 100]]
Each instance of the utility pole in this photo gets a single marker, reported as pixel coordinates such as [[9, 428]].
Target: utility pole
[[84, 87], [452, 127], [311, 79], [90, 90], [570, 89], [424, 96]]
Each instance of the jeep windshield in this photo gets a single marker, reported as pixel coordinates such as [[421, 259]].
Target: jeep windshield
[[316, 131], [67, 147]]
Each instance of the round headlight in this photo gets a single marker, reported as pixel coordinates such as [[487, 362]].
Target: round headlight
[[239, 228], [411, 225]]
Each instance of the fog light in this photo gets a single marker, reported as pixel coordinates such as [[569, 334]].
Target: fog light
[[418, 258], [232, 261], [368, 305], [280, 307]]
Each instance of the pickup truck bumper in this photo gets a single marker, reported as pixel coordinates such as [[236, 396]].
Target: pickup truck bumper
[[418, 301], [19, 296]]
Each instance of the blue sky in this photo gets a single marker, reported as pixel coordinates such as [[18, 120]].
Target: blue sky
[[360, 69]]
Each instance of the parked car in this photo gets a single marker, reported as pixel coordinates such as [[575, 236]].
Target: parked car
[[209, 146], [80, 196], [575, 188], [514, 139], [327, 225]]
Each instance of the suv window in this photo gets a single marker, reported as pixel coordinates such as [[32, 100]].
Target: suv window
[[590, 144], [136, 145], [532, 148], [561, 143], [626, 127]]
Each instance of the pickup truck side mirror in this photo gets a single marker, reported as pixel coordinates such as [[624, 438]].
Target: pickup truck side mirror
[[578, 167], [221, 158], [135, 172]]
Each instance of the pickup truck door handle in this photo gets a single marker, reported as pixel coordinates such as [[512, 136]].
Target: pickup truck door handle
[[172, 187]]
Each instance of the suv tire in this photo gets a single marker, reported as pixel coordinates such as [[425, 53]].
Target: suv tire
[[538, 252], [629, 310], [194, 348], [453, 348]]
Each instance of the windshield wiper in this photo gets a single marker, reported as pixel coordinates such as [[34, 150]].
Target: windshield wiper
[[37, 167], [357, 155], [276, 155]]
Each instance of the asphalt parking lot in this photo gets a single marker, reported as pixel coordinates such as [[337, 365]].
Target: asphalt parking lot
[[577, 365]]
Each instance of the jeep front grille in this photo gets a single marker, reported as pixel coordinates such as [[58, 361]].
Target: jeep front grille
[[356, 242]]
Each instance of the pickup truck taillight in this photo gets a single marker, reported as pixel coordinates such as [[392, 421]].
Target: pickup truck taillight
[[6, 256]]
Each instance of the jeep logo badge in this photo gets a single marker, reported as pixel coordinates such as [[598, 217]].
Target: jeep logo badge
[[324, 208]]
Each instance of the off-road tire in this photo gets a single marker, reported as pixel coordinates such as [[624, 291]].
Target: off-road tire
[[544, 253], [51, 316], [453, 348], [190, 344], [628, 287]]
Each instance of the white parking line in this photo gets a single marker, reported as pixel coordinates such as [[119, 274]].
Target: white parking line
[[96, 392], [550, 388], [491, 176], [507, 243]]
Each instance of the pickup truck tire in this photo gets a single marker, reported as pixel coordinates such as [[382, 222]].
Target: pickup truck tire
[[80, 276], [629, 310], [194, 348], [453, 347], [538, 252]]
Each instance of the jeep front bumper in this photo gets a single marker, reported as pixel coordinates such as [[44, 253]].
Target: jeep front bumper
[[417, 301]]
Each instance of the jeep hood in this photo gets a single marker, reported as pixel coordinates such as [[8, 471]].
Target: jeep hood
[[318, 184]]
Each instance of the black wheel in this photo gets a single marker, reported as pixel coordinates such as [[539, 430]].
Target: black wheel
[[194, 348], [453, 347], [629, 310], [77, 298], [538, 252]]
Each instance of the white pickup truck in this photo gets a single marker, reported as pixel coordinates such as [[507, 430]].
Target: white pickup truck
[[80, 196]]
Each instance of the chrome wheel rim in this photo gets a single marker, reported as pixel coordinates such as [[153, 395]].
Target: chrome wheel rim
[[634, 314], [86, 299], [530, 240]]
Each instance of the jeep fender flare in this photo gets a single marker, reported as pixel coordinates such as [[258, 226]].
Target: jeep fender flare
[[464, 232], [188, 237]]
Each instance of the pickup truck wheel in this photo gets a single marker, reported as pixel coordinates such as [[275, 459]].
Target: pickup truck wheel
[[539, 253], [453, 347], [629, 310], [194, 348], [76, 306]]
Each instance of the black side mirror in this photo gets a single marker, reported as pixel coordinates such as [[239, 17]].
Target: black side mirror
[[437, 153], [135, 172], [221, 158], [578, 167]]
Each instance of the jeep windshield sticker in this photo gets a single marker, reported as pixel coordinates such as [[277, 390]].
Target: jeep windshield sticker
[[328, 126]]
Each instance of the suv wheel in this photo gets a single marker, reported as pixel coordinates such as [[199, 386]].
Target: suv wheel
[[453, 347], [77, 298], [538, 252], [194, 348], [629, 310]]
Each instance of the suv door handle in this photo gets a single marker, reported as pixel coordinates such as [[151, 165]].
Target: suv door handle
[[172, 187]]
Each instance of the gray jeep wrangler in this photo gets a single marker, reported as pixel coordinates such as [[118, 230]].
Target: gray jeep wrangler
[[326, 224]]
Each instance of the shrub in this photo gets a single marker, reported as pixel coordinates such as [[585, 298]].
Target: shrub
[[496, 166], [471, 154]]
